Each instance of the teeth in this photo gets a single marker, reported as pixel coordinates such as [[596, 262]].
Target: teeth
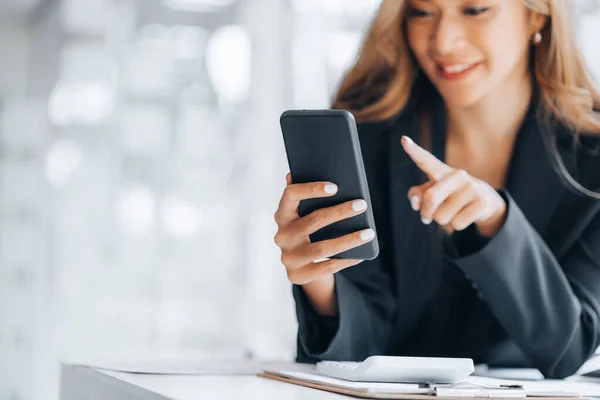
[[455, 69]]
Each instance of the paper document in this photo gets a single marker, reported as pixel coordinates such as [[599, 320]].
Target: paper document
[[546, 388], [591, 367], [522, 374]]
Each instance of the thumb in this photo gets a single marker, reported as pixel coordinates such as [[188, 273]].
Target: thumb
[[415, 194]]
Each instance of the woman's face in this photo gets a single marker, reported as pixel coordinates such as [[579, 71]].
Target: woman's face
[[469, 47]]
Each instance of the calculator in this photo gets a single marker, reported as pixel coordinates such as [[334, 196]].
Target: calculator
[[392, 369]]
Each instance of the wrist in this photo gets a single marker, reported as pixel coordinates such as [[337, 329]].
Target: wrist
[[492, 225], [321, 294]]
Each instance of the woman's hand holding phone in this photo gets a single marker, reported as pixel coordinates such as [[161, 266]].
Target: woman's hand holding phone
[[309, 264]]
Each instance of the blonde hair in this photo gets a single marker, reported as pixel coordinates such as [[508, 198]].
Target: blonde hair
[[379, 84]]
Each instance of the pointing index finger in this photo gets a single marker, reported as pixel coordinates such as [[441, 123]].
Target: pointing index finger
[[426, 161]]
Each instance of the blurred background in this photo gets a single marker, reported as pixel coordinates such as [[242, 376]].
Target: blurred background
[[141, 162]]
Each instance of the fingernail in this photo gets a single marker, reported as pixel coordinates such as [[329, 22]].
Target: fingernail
[[359, 261], [426, 221], [367, 234], [415, 202], [359, 205], [331, 188], [408, 140], [318, 260]]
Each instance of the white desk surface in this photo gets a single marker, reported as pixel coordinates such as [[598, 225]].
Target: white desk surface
[[79, 382], [94, 384]]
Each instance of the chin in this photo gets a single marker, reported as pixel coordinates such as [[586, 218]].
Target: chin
[[460, 98]]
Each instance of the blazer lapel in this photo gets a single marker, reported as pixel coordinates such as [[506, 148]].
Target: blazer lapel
[[413, 244], [532, 180], [402, 176]]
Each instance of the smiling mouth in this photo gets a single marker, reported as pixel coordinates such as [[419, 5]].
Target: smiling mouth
[[456, 71]]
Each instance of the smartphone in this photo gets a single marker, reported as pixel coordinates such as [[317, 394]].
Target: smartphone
[[323, 145]]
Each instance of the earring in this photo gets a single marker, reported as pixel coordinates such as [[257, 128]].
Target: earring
[[537, 38]]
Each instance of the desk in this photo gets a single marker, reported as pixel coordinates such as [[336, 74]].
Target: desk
[[93, 384]]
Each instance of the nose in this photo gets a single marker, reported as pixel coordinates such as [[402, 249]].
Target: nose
[[448, 36]]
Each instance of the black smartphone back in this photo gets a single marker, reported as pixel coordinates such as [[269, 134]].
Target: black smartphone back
[[323, 145]]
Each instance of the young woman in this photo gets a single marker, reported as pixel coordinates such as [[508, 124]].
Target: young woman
[[477, 122]]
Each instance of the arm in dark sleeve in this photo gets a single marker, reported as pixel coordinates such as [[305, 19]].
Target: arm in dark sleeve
[[551, 310], [361, 329], [316, 330]]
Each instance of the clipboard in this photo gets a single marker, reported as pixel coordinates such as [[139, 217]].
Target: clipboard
[[346, 391], [430, 394]]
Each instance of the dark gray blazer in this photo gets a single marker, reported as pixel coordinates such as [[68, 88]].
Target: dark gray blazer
[[530, 296]]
